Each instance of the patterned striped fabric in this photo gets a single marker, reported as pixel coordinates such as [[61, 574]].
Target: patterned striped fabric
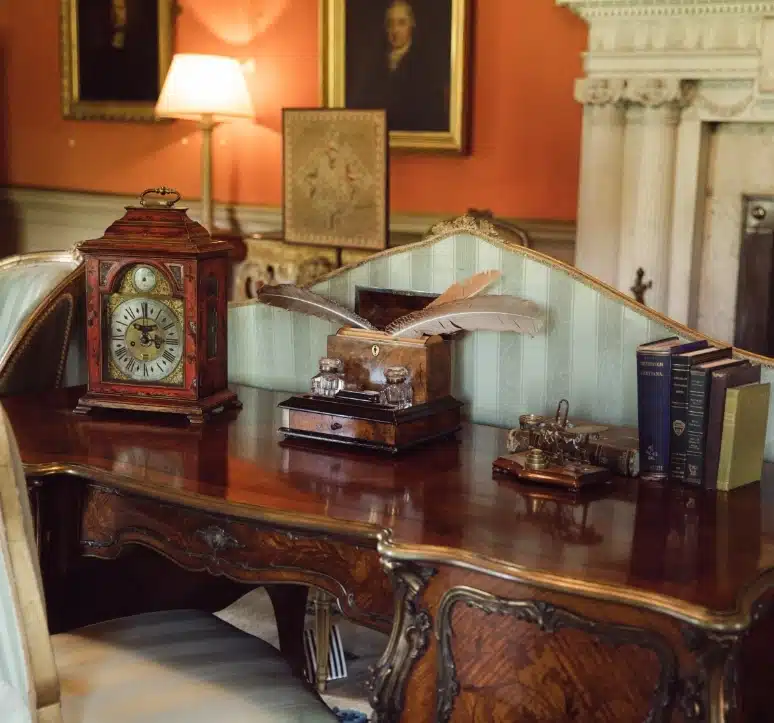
[[177, 667], [22, 288], [171, 667]]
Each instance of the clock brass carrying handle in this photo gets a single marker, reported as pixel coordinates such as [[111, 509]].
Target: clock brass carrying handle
[[160, 191]]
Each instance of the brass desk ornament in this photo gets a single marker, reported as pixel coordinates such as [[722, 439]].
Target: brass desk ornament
[[561, 438], [552, 452]]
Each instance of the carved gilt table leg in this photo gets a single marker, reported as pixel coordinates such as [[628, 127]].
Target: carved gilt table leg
[[711, 694], [408, 641]]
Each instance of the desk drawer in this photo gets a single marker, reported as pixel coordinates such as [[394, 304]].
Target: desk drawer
[[244, 550]]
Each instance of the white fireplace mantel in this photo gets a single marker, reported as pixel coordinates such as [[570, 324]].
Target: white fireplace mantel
[[657, 74]]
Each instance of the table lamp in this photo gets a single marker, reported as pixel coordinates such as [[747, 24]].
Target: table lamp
[[210, 89]]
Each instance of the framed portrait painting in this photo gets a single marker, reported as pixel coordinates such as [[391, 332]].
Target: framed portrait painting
[[335, 177], [408, 57], [115, 56]]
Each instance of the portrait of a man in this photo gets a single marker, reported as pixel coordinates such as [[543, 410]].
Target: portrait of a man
[[118, 50], [406, 57], [115, 60], [398, 58]]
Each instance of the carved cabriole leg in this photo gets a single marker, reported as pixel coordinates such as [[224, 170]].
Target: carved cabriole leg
[[714, 694], [711, 695], [599, 203], [408, 641]]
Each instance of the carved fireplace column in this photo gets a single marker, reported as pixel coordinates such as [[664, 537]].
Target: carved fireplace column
[[599, 202], [648, 185]]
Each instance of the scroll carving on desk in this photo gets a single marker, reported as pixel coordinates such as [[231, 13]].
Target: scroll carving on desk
[[390, 388]]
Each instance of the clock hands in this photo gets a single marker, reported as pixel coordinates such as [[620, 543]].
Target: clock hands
[[145, 337]]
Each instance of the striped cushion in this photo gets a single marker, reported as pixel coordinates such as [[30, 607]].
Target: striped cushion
[[22, 289], [178, 667]]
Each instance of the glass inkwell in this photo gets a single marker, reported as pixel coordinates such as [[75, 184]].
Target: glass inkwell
[[330, 379], [397, 392]]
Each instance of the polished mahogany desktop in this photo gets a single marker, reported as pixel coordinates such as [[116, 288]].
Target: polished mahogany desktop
[[632, 602]]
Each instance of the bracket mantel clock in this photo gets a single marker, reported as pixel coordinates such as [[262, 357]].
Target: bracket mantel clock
[[156, 313]]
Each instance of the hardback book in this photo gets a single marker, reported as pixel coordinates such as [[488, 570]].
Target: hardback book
[[681, 372], [654, 382], [696, 431], [616, 449], [744, 435], [721, 381]]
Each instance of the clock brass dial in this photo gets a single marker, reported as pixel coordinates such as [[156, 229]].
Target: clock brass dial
[[146, 339]]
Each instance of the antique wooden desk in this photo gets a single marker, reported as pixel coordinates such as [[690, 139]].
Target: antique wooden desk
[[638, 603]]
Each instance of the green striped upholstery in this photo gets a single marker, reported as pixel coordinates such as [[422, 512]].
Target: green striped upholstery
[[177, 667], [171, 667], [587, 354]]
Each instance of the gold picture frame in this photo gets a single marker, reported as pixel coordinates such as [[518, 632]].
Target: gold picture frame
[[335, 180], [452, 73], [115, 70]]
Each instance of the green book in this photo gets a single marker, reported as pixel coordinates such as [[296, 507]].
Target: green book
[[744, 435]]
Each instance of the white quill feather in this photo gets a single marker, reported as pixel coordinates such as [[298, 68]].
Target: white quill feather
[[490, 313], [294, 298]]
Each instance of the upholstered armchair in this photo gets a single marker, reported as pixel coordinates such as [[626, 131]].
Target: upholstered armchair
[[177, 667], [41, 295]]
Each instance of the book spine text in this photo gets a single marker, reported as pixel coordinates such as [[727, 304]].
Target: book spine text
[[653, 414], [696, 427], [678, 439]]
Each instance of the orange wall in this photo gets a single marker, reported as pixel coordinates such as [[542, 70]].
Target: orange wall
[[526, 125]]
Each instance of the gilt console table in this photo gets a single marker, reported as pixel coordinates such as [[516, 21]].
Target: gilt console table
[[506, 603]]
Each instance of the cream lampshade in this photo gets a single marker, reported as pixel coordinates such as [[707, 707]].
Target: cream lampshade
[[210, 89]]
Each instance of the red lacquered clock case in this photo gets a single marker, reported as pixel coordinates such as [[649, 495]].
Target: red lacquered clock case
[[195, 268]]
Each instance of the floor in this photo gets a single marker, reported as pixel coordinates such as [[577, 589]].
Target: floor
[[253, 613]]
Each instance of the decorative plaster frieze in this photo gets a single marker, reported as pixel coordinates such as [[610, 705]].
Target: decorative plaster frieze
[[666, 8], [690, 35]]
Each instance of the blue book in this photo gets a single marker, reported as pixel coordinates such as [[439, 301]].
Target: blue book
[[654, 387]]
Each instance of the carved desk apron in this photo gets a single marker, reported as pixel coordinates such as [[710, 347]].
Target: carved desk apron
[[639, 603]]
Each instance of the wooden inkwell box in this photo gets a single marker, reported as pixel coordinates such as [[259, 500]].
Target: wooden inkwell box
[[357, 417], [366, 401]]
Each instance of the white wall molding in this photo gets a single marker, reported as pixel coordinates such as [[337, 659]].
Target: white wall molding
[[54, 219]]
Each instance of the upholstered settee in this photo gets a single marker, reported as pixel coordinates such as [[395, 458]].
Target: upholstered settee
[[586, 355]]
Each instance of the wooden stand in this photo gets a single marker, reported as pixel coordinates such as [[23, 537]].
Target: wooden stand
[[197, 411], [369, 425]]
